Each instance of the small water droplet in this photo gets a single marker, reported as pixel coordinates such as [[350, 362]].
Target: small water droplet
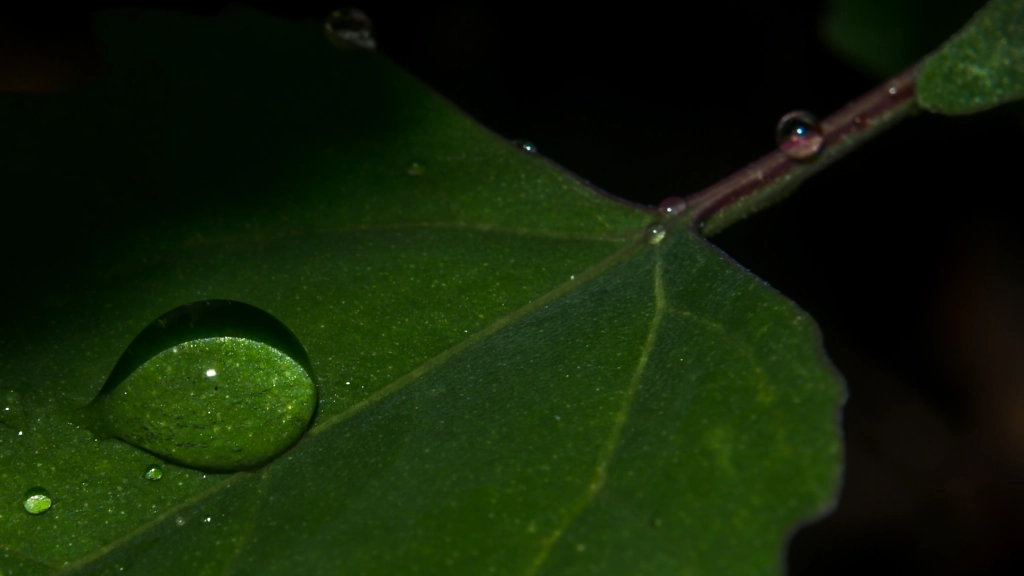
[[893, 90], [179, 521], [799, 135], [350, 28], [671, 206], [216, 385], [655, 234], [37, 500], [153, 473], [526, 145], [416, 169], [12, 414]]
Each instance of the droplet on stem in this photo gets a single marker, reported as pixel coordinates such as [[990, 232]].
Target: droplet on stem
[[350, 28], [799, 135], [37, 500], [526, 145], [672, 205]]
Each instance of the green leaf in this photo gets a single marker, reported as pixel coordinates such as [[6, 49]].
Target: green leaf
[[516, 375], [882, 37], [981, 67]]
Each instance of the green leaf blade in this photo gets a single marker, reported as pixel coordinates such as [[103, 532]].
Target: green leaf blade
[[981, 67], [510, 374], [883, 37]]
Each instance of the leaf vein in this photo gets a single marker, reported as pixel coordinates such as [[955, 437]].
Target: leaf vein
[[452, 225], [250, 525], [741, 346], [172, 511], [19, 554], [395, 386], [600, 475]]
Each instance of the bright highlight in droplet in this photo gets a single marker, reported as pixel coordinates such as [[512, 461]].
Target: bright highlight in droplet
[[153, 473], [799, 135], [211, 373]]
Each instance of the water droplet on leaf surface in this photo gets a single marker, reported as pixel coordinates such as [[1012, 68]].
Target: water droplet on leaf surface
[[153, 473], [37, 500], [11, 413], [799, 135], [350, 28], [655, 234], [416, 169], [215, 385]]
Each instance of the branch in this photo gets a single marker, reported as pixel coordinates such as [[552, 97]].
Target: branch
[[776, 175]]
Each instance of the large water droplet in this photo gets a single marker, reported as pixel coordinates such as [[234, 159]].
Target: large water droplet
[[799, 135], [350, 28], [153, 473], [37, 500], [216, 385]]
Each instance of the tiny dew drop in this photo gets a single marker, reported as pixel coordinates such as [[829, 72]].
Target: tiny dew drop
[[37, 500], [526, 145], [215, 385], [655, 234], [350, 28], [153, 473], [671, 206], [799, 135], [416, 169], [11, 413]]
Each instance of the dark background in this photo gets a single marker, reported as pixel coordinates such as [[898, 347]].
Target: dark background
[[907, 252]]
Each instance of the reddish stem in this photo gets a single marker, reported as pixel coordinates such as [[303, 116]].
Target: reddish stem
[[843, 131]]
